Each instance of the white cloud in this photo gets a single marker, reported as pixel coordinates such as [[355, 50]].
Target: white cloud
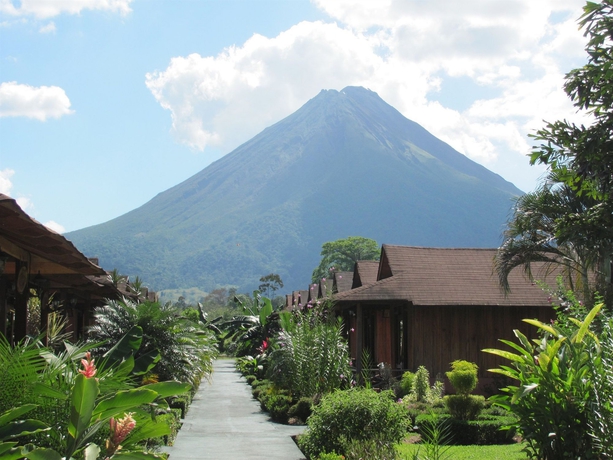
[[5, 181], [49, 8], [48, 28], [406, 51], [24, 203], [19, 100], [52, 225]]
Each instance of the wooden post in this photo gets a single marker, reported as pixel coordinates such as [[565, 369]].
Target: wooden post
[[21, 307], [359, 337], [3, 285]]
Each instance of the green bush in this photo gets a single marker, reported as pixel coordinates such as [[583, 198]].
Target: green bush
[[486, 430], [464, 407], [463, 376], [406, 383], [302, 409], [181, 403], [331, 456], [359, 449], [250, 379], [278, 406], [356, 414]]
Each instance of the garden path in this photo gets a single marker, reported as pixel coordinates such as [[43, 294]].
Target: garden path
[[225, 422]]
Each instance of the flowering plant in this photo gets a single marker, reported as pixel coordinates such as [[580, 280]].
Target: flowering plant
[[88, 413]]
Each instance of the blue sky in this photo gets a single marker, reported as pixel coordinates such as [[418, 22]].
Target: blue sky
[[105, 103]]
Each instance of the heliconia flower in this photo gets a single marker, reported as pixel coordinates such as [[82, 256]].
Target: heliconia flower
[[120, 429], [89, 368]]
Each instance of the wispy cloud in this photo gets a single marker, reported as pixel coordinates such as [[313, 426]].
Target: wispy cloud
[[5, 181], [48, 28], [19, 100], [49, 8]]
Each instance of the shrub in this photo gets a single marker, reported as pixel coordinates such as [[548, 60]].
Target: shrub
[[356, 414], [359, 449], [484, 431], [422, 392], [278, 406], [302, 409], [406, 383], [463, 376], [331, 456], [464, 407]]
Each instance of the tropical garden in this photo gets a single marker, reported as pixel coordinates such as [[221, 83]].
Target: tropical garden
[[119, 394], [122, 392]]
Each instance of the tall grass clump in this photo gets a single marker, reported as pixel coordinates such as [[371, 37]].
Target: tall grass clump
[[311, 356]]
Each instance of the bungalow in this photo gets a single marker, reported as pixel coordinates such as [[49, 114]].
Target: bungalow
[[431, 306], [36, 259]]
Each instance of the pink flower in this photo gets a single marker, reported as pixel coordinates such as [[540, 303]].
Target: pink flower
[[352, 330], [89, 368], [120, 429]]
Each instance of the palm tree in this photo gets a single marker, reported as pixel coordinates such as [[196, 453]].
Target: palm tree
[[552, 225], [187, 350]]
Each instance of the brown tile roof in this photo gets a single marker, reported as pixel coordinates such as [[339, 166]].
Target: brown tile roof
[[342, 281], [366, 272], [52, 253], [325, 287], [437, 276]]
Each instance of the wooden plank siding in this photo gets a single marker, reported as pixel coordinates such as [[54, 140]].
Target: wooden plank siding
[[438, 336]]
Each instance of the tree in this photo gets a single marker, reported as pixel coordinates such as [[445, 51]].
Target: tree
[[540, 231], [271, 282], [581, 156], [341, 255]]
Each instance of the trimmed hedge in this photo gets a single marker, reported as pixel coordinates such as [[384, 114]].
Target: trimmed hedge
[[486, 430]]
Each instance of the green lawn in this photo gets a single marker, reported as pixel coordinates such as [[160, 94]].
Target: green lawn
[[503, 452]]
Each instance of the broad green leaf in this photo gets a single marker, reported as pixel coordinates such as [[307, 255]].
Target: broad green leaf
[[127, 345], [7, 451], [543, 326], [21, 427], [523, 339], [517, 347], [265, 311], [151, 429], [84, 396], [504, 354], [166, 389], [578, 337], [16, 412], [123, 401], [43, 454], [146, 362], [523, 391], [504, 372], [40, 389]]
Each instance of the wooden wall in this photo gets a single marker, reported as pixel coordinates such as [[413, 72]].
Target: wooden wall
[[439, 335]]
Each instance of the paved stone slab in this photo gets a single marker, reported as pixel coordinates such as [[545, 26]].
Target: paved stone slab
[[225, 422]]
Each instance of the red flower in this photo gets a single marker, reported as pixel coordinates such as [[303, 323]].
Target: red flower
[[120, 429], [89, 368]]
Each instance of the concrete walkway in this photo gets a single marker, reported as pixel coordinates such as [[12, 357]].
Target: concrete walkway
[[225, 422]]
